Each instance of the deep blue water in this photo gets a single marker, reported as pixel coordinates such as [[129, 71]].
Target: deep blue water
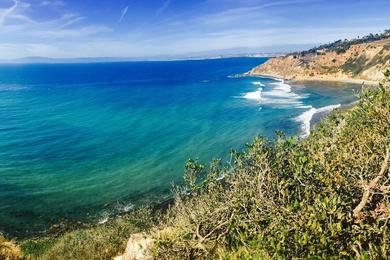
[[83, 140]]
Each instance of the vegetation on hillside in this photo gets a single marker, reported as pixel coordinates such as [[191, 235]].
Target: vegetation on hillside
[[327, 196], [341, 46]]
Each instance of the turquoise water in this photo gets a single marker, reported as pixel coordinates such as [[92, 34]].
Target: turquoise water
[[88, 140]]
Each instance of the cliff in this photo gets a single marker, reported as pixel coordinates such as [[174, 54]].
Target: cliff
[[347, 62]]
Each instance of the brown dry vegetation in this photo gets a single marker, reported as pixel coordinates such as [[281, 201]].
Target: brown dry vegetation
[[8, 249]]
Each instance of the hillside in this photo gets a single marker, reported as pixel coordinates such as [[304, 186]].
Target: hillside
[[356, 60]]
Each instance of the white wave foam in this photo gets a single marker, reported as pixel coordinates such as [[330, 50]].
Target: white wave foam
[[235, 76], [104, 218], [255, 95], [128, 207], [118, 208], [306, 117], [281, 96], [277, 94], [124, 207], [258, 83], [282, 86], [328, 108]]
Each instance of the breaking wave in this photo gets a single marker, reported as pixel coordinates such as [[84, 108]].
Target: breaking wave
[[279, 94], [306, 117], [254, 95], [276, 95], [116, 209]]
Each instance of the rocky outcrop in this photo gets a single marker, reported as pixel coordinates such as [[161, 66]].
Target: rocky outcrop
[[360, 62], [139, 247]]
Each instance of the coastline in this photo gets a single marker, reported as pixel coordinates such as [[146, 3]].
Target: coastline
[[361, 62], [314, 116], [320, 79]]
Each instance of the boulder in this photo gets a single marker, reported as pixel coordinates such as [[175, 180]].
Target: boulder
[[139, 247]]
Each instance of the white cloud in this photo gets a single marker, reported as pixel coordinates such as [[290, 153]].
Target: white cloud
[[254, 25], [132, 46]]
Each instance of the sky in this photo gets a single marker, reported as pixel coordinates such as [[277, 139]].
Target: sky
[[143, 28]]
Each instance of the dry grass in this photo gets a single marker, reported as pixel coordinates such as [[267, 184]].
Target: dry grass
[[100, 242], [8, 249]]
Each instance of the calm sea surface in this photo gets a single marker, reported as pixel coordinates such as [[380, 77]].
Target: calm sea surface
[[85, 141]]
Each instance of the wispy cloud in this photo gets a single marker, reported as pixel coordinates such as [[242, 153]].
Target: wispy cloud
[[243, 13], [124, 13], [164, 6], [55, 3], [18, 50], [7, 12], [71, 33], [22, 24], [71, 19]]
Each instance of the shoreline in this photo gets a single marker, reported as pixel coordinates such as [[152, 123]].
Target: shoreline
[[318, 79]]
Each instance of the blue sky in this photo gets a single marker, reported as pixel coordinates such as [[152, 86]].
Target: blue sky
[[137, 28]]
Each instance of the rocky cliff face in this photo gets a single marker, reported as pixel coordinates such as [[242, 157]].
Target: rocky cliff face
[[365, 62]]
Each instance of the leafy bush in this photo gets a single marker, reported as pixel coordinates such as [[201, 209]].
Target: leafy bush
[[326, 196]]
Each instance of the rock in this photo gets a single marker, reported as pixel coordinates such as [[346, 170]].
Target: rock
[[139, 247]]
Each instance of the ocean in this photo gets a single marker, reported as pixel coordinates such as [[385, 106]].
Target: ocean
[[89, 141]]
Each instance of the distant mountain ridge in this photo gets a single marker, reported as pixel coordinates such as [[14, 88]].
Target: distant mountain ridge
[[47, 60], [363, 59]]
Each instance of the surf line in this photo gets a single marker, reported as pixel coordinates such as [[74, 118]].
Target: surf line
[[306, 117]]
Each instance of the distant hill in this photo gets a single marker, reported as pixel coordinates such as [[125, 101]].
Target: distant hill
[[362, 59], [38, 60], [47, 60]]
